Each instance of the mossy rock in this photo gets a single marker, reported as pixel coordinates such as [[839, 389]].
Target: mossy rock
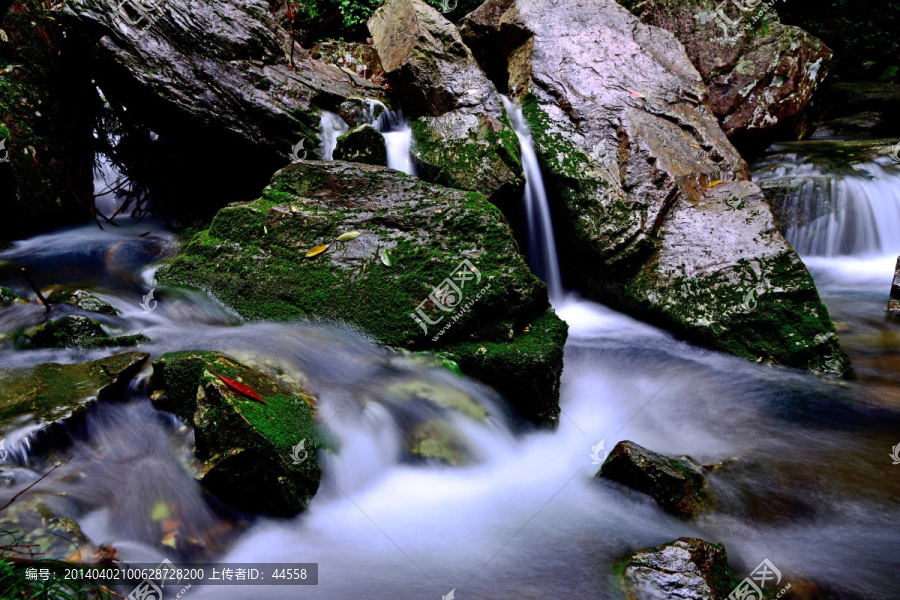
[[7, 296], [676, 485], [363, 144], [73, 331], [406, 238], [32, 528], [437, 440], [247, 448], [52, 392], [82, 300], [688, 568]]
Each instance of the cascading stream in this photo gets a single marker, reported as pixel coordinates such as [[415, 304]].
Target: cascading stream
[[541, 241], [390, 123]]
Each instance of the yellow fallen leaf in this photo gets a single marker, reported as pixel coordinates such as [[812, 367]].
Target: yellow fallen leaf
[[316, 250], [265, 230], [169, 540], [350, 235], [293, 209], [714, 183]]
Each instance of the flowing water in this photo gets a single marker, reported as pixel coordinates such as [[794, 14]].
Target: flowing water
[[392, 125], [811, 488]]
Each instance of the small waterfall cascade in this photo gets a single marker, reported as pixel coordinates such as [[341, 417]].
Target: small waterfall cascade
[[331, 127], [392, 125], [541, 242], [828, 212]]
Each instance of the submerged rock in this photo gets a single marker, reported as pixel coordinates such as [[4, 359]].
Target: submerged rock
[[759, 72], [687, 569], [82, 300], [44, 535], [675, 484], [635, 163], [7, 296], [894, 302], [363, 144], [379, 249], [256, 456], [462, 136], [73, 331], [53, 392]]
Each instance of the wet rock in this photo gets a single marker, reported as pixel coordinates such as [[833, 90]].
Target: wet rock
[[894, 302], [255, 456], [688, 569], [654, 208], [363, 144], [462, 136], [73, 331], [362, 59], [675, 484], [82, 300], [360, 111], [35, 530], [759, 72], [215, 71], [52, 392], [7, 296], [268, 260]]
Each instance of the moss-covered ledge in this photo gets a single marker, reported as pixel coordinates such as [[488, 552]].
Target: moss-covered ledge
[[391, 240]]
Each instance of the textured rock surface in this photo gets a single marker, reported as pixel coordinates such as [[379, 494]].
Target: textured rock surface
[[759, 72], [246, 447], [687, 569], [50, 392], [362, 59], [632, 158], [254, 258], [217, 69], [674, 484], [363, 144], [894, 302], [462, 136]]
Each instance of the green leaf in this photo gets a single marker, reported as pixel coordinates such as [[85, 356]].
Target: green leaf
[[386, 259], [350, 235]]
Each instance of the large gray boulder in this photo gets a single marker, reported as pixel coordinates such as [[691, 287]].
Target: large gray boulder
[[214, 69], [759, 72], [462, 136], [655, 210]]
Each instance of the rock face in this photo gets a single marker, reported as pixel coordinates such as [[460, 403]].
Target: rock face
[[362, 59], [50, 392], [633, 161], [759, 72], [687, 569], [216, 69], [363, 144], [894, 302], [675, 485], [462, 136], [247, 447], [432, 268]]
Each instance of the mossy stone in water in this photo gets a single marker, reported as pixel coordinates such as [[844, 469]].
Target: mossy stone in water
[[7, 296], [363, 144], [82, 300]]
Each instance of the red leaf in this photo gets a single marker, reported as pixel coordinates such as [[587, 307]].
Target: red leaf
[[241, 388]]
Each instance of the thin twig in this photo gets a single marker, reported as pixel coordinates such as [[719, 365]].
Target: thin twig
[[36, 289], [34, 483]]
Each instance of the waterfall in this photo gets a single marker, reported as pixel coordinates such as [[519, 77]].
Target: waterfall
[[541, 241], [827, 212], [332, 126], [392, 125]]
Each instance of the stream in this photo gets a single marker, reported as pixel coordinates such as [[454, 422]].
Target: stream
[[811, 487]]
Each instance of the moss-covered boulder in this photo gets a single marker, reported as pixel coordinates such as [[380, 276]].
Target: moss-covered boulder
[[759, 72], [73, 331], [82, 300], [675, 484], [413, 264], [654, 208], [688, 569], [362, 144], [256, 455], [52, 392], [462, 137]]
